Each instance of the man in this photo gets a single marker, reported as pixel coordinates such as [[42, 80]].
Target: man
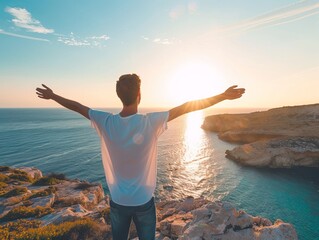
[[128, 146]]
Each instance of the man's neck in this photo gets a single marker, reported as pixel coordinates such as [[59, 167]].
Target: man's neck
[[128, 110]]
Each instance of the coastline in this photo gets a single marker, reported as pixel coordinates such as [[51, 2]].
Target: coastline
[[47, 201]]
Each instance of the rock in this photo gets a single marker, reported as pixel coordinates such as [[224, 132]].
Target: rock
[[173, 226], [220, 220], [278, 153], [166, 238], [168, 212], [69, 193], [70, 199], [277, 122], [278, 138], [34, 173], [217, 220], [279, 230], [64, 215], [187, 205], [46, 201]]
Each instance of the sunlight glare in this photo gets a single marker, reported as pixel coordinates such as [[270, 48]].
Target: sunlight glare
[[194, 80]]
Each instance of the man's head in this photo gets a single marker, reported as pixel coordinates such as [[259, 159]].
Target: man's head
[[128, 89]]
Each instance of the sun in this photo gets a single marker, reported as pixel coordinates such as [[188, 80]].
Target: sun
[[194, 80]]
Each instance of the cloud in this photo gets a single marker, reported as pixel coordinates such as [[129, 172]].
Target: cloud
[[23, 19], [94, 41], [22, 36], [103, 37], [289, 13], [73, 41], [163, 41]]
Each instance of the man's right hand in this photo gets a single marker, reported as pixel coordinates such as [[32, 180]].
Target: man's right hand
[[233, 93], [45, 93]]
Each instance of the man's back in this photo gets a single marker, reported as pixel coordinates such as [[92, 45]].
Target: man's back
[[129, 153]]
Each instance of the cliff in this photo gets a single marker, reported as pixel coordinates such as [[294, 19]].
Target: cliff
[[33, 206], [279, 137]]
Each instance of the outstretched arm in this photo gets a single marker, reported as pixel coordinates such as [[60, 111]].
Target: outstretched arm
[[231, 93], [47, 93]]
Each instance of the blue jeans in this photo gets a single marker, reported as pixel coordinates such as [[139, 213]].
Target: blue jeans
[[144, 218]]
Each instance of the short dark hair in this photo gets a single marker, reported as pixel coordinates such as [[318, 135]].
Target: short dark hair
[[127, 88]]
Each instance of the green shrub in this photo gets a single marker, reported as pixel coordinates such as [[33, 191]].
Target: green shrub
[[18, 171], [12, 230], [21, 177], [27, 203], [3, 185], [14, 192], [59, 176], [79, 229], [45, 192], [45, 181], [26, 212], [84, 186], [4, 168], [21, 225], [3, 178]]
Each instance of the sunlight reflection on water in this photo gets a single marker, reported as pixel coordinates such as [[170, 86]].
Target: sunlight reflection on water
[[192, 161], [193, 141]]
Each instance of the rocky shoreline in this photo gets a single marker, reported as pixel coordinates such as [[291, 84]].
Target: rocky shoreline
[[278, 138], [33, 206]]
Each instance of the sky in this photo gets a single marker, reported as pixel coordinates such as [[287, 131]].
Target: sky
[[182, 50]]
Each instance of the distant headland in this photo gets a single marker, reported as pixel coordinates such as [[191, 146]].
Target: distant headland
[[278, 138]]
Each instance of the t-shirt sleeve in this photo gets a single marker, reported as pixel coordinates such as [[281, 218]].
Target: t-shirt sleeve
[[98, 119], [158, 121]]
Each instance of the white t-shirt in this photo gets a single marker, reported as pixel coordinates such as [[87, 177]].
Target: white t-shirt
[[129, 151]]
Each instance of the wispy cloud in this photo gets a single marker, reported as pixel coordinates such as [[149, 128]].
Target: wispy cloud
[[103, 37], [22, 36], [289, 13], [163, 41], [94, 41], [23, 19]]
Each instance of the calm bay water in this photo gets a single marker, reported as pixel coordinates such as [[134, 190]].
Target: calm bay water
[[190, 162]]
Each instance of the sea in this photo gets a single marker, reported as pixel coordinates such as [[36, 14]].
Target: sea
[[191, 162]]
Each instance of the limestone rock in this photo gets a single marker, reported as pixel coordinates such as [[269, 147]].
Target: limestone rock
[[278, 138], [65, 214], [277, 122], [278, 153], [46, 201], [34, 173], [220, 220], [70, 193]]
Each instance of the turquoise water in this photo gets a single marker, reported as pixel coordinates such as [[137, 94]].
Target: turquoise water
[[190, 162]]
